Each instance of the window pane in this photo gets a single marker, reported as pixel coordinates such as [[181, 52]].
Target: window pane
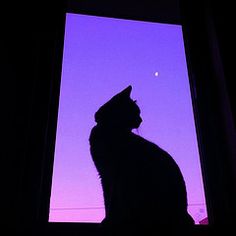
[[102, 56]]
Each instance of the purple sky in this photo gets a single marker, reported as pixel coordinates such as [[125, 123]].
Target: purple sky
[[102, 56]]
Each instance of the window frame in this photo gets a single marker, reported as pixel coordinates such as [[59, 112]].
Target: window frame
[[198, 108]]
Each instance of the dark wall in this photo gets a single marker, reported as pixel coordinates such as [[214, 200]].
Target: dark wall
[[31, 58], [31, 53], [209, 66], [224, 18]]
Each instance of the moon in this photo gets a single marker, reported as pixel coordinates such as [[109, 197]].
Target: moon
[[156, 73]]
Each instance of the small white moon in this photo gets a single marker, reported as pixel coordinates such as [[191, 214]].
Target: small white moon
[[156, 73]]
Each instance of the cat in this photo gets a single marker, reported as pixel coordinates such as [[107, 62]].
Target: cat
[[142, 184]]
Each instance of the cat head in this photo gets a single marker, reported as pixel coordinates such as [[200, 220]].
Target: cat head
[[120, 111]]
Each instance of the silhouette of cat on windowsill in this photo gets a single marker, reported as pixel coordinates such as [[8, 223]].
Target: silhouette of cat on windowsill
[[142, 184]]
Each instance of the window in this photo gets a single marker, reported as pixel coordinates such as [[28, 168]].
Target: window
[[102, 56]]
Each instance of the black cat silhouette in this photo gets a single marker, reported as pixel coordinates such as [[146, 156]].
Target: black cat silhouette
[[142, 184]]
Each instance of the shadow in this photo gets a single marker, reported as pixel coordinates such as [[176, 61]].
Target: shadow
[[144, 190]]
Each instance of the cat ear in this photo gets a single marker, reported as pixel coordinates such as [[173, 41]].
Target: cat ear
[[127, 91]]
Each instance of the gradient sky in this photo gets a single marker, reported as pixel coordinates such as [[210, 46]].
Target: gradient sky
[[102, 56]]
